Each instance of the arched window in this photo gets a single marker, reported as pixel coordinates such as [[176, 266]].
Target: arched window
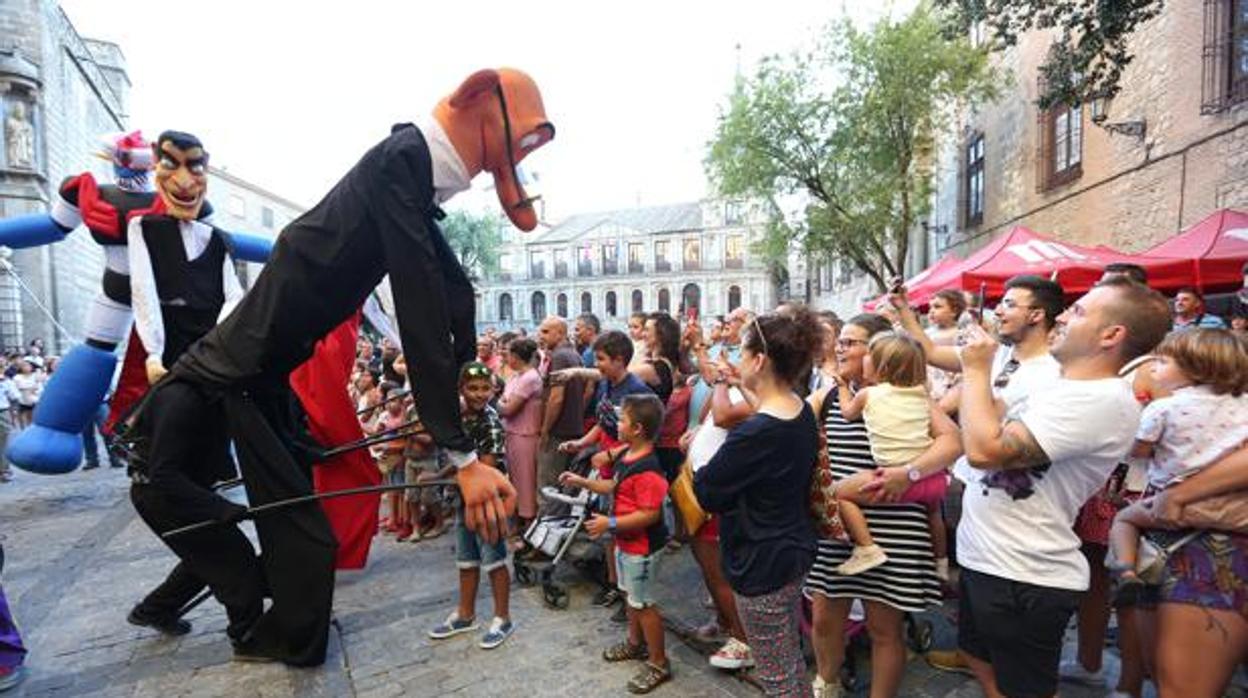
[[505, 311], [587, 302], [538, 306], [611, 309], [638, 302], [691, 300], [665, 301], [734, 298], [561, 305]]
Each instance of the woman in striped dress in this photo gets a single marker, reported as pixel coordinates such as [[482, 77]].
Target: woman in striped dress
[[907, 583]]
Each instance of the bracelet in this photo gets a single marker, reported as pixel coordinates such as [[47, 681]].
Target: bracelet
[[611, 524]]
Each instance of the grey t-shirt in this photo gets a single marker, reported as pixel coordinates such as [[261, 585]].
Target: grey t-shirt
[[570, 423]]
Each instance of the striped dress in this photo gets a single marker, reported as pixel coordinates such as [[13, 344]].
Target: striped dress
[[908, 581]]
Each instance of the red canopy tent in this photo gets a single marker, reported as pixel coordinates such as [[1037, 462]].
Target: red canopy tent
[[1214, 250], [1024, 251]]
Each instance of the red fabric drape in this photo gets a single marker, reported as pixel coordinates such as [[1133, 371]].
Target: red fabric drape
[[321, 384]]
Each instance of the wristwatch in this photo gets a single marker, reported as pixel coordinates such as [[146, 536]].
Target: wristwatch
[[913, 474], [611, 524]]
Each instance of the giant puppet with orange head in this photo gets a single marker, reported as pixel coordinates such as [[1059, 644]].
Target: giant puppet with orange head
[[380, 219]]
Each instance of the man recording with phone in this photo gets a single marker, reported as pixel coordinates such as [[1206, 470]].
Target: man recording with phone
[[1025, 315]]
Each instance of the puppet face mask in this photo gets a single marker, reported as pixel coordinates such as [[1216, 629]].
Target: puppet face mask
[[181, 178], [522, 133]]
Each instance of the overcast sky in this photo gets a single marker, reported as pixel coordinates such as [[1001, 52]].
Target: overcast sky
[[288, 95]]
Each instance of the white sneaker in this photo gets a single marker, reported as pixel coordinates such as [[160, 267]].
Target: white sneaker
[[733, 655], [823, 689], [865, 557], [1072, 670]]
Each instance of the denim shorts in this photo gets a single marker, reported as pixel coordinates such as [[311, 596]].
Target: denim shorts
[[471, 550], [636, 575]]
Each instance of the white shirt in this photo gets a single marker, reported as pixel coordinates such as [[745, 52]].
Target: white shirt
[[709, 437], [1191, 429], [143, 295], [1018, 524], [449, 174], [8, 393]]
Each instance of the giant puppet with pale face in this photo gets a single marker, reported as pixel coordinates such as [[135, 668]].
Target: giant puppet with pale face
[[380, 219]]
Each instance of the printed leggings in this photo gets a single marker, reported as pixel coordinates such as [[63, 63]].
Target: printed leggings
[[771, 626]]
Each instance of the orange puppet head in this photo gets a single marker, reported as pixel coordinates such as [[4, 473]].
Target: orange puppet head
[[494, 119]]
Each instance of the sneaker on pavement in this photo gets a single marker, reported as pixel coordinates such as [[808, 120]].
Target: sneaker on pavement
[[1072, 670], [865, 557], [413, 537], [823, 689], [452, 626], [10, 677], [733, 655], [499, 631], [169, 626], [90, 465], [948, 660], [606, 596], [621, 614]]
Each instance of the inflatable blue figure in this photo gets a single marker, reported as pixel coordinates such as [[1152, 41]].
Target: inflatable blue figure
[[52, 444]]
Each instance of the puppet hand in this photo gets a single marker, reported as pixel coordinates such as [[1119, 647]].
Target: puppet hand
[[489, 499], [99, 215], [155, 370]]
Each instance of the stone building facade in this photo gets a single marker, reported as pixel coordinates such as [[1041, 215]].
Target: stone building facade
[[672, 258], [1170, 149], [59, 92], [240, 206]]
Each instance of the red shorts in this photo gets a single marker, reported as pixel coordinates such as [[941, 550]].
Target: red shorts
[[929, 490], [710, 530]]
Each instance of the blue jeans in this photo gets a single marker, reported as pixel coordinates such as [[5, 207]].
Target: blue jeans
[[471, 550]]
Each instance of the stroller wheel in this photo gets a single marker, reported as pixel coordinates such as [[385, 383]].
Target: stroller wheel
[[524, 575], [555, 596], [919, 634]]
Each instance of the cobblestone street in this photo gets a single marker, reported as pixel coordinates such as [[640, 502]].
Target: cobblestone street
[[78, 558]]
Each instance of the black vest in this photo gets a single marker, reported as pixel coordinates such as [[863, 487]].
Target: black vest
[[191, 291]]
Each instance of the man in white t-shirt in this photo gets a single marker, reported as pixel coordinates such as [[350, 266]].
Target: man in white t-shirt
[[1023, 573], [1025, 316]]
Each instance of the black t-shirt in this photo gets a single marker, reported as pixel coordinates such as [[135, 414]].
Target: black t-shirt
[[759, 484]]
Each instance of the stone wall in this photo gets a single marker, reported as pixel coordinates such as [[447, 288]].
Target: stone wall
[[1133, 193]]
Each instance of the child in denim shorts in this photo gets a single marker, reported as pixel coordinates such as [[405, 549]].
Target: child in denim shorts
[[472, 552], [639, 487]]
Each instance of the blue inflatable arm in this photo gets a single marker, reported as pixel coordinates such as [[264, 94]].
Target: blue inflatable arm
[[249, 248], [31, 230]]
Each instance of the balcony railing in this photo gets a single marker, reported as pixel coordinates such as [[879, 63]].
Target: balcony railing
[[734, 263], [636, 268], [610, 266], [561, 270], [662, 265], [537, 271]]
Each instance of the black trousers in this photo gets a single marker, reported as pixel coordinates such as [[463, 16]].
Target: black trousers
[[219, 556], [166, 601]]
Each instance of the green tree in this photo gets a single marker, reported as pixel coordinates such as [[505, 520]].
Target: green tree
[[1091, 52], [475, 240], [850, 128]]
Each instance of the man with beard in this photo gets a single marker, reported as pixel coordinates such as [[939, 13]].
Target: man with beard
[[1028, 473], [1022, 364]]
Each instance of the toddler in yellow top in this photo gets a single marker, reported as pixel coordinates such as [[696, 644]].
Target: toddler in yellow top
[[897, 410]]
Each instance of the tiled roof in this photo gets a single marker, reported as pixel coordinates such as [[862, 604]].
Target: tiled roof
[[649, 220]]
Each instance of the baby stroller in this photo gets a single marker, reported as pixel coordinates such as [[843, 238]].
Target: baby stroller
[[556, 534]]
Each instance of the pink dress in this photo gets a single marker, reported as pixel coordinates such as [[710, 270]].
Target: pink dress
[[523, 430]]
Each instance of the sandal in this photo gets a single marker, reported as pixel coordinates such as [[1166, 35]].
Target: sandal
[[624, 652], [649, 678]]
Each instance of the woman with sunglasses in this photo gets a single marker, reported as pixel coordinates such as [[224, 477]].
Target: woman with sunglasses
[[759, 482], [907, 582]]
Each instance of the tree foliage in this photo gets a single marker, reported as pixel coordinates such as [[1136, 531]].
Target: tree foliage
[[850, 128], [1090, 53], [475, 240]]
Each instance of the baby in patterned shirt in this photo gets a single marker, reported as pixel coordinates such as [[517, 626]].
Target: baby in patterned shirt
[[1204, 419]]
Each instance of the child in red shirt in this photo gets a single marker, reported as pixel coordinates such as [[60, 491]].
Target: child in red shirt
[[636, 520]]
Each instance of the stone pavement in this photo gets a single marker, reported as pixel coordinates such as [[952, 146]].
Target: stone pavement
[[78, 558]]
